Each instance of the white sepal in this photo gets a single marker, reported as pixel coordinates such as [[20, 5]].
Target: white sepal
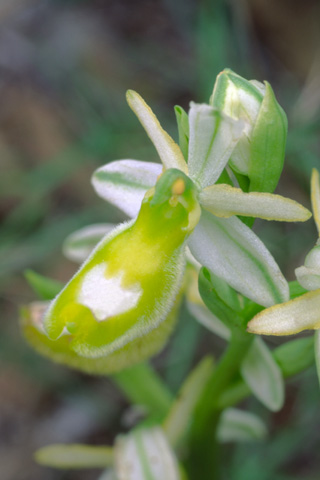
[[145, 454], [79, 244], [225, 201], [263, 375], [233, 252], [213, 137], [239, 426], [302, 313], [125, 182], [169, 152]]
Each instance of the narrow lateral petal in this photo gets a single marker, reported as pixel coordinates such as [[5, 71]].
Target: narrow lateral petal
[[225, 201], [233, 252], [125, 182], [79, 244], [302, 313], [213, 136], [263, 376], [315, 197], [169, 152]]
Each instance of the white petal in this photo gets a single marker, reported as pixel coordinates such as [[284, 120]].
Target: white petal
[[233, 252], [78, 246], [302, 313], [263, 375], [169, 152], [225, 201], [213, 137], [239, 426], [125, 182]]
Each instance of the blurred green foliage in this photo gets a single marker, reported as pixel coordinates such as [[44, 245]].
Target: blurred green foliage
[[65, 67]]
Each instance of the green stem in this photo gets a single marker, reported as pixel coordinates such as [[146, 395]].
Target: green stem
[[142, 386], [203, 455]]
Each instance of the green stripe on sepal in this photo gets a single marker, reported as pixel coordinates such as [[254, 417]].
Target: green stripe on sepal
[[233, 252], [268, 142], [75, 456], [125, 182]]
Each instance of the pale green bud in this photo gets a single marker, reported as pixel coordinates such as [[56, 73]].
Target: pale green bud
[[259, 154]]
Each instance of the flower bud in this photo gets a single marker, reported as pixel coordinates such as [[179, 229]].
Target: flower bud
[[259, 153], [120, 297]]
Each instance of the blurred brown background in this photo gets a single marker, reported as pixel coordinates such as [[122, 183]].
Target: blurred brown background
[[64, 69]]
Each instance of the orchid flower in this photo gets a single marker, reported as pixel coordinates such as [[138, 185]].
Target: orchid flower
[[220, 241], [118, 308]]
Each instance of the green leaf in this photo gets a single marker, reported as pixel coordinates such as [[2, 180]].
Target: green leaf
[[46, 288], [212, 300], [267, 147], [183, 129], [239, 426], [296, 289], [295, 356], [142, 386], [177, 422], [74, 456], [263, 375]]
